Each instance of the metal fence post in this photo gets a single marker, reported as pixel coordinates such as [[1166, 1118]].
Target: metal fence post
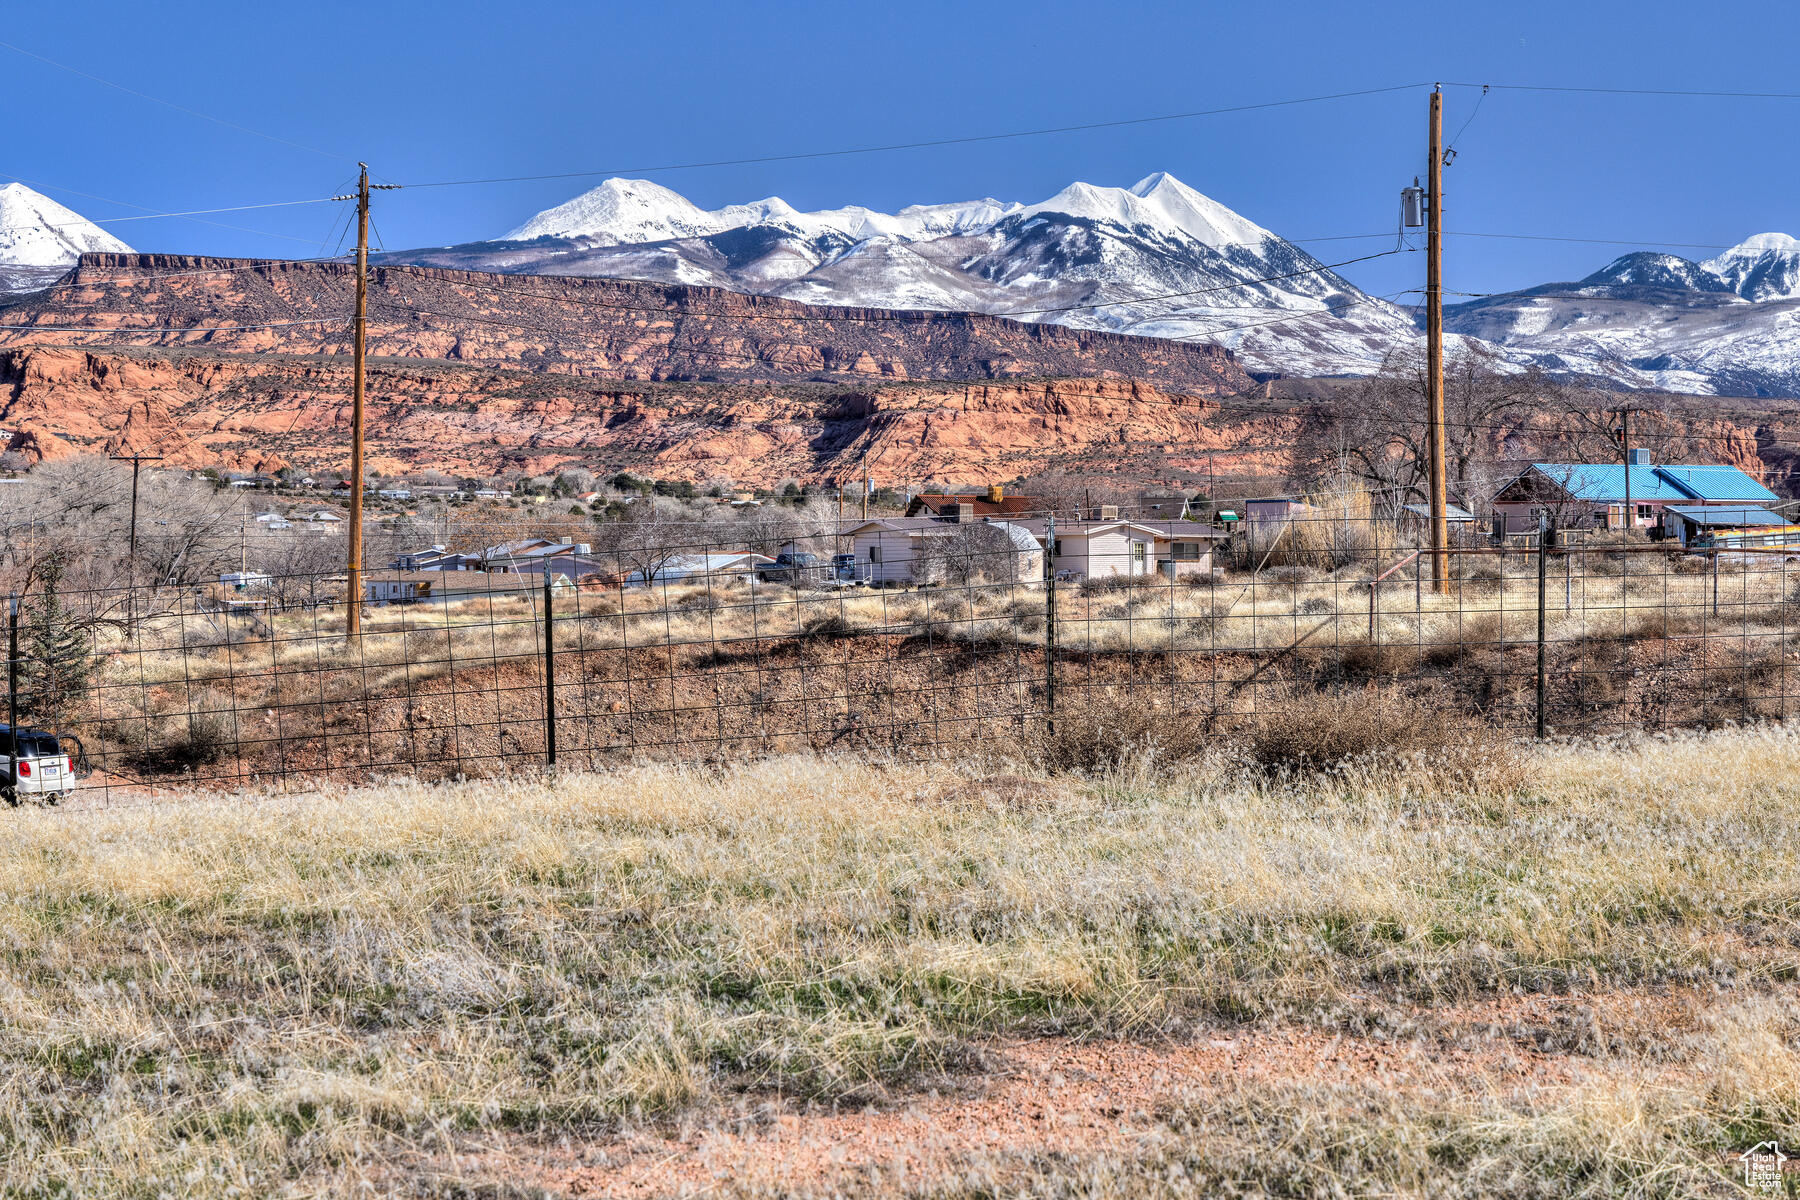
[[1050, 625], [1543, 566], [549, 668], [12, 697]]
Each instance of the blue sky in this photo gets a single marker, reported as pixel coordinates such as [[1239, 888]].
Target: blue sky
[[457, 90]]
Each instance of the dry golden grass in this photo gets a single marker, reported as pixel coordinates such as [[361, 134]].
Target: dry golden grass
[[315, 994]]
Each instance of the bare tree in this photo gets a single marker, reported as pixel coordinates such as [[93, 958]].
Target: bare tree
[[1375, 431], [979, 552], [651, 533], [296, 563]]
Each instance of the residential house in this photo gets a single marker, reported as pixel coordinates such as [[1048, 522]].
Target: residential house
[[1417, 517], [701, 568], [1273, 510], [893, 550], [450, 587], [244, 580], [994, 502], [534, 556], [436, 558], [1594, 495], [1163, 504], [273, 520], [1111, 548]]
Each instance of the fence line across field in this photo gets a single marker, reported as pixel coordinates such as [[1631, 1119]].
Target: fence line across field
[[224, 689]]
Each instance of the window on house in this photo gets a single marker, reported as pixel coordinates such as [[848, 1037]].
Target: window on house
[[1185, 551], [1644, 512], [875, 554]]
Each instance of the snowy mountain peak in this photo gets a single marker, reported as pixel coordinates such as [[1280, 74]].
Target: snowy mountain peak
[[1158, 202], [36, 231], [620, 212], [624, 212], [1759, 244], [1763, 267]]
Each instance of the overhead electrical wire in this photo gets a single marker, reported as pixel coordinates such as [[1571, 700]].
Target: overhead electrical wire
[[924, 144], [195, 216], [182, 108], [1609, 91]]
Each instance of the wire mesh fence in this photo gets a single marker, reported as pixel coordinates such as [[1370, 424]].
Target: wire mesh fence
[[894, 635]]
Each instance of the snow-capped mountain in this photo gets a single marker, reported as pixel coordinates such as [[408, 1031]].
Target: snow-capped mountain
[[1158, 259], [40, 239], [1764, 267], [1726, 326]]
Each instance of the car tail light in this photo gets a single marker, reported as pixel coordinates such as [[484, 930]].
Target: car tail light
[[24, 769], [68, 765]]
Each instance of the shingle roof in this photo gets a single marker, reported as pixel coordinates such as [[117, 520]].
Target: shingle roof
[[1007, 506]]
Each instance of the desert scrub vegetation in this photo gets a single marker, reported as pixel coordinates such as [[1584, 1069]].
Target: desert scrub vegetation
[[307, 993]]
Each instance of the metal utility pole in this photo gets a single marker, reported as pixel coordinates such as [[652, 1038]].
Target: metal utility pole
[[1434, 345], [136, 460], [1545, 536], [359, 351], [12, 696], [1050, 624]]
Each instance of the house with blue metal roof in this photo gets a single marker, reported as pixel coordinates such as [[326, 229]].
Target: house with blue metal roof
[[1594, 495]]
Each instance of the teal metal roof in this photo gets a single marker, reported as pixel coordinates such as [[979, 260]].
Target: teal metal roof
[[1606, 484], [1727, 514], [1716, 483]]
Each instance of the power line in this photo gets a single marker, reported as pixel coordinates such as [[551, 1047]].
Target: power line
[[1605, 91], [171, 104], [919, 145], [154, 214]]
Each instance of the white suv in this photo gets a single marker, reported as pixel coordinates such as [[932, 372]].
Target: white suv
[[43, 771]]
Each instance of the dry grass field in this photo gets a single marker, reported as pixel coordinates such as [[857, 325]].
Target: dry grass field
[[1571, 973]]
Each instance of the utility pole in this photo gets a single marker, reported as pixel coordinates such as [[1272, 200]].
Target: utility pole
[[1434, 345], [1623, 412], [12, 697], [136, 460], [359, 351]]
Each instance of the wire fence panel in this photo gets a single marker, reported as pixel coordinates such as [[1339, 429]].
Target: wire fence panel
[[897, 636]]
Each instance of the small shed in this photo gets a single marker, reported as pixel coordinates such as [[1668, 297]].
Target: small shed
[[1681, 522]]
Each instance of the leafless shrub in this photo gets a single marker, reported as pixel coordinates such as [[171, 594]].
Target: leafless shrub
[[1381, 729], [1097, 737]]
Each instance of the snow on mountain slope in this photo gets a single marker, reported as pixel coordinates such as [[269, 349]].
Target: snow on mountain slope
[[1727, 326], [624, 211], [1162, 260], [1158, 258], [1763, 267], [40, 239]]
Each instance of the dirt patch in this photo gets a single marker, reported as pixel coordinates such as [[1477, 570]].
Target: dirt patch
[[1062, 1097]]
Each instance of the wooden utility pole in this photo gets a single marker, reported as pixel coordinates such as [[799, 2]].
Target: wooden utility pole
[[1434, 346], [359, 351], [136, 460], [1625, 455]]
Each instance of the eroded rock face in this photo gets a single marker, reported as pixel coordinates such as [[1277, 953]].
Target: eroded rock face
[[478, 373], [259, 411], [609, 328]]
